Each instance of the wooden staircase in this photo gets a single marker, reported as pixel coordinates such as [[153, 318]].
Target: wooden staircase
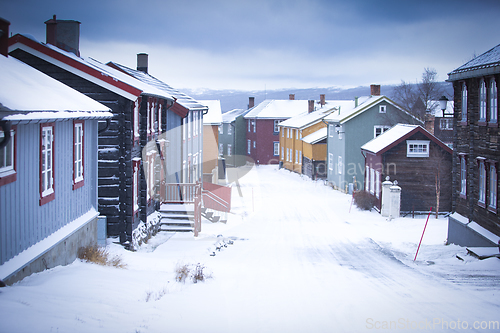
[[177, 217]]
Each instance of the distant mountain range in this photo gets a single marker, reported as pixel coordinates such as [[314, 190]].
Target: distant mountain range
[[236, 99]]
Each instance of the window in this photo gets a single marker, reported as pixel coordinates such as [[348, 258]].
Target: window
[[493, 102], [339, 164], [296, 134], [8, 158], [282, 152], [367, 175], [248, 121], [417, 148], [377, 184], [46, 163], [160, 107], [78, 150], [137, 106], [276, 148], [287, 154], [282, 132], [463, 176], [221, 129], [249, 146], [288, 133], [330, 161], [276, 127], [379, 129], [229, 129], [482, 182], [254, 123], [136, 163], [446, 124], [372, 181], [482, 101], [221, 148], [493, 187], [296, 156], [229, 149], [331, 130], [300, 157], [255, 144], [382, 109], [464, 102]]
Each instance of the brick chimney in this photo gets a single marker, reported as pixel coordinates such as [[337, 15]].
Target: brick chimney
[[310, 106], [429, 122], [291, 97], [142, 62], [375, 89], [322, 100], [65, 34], [4, 37], [251, 102]]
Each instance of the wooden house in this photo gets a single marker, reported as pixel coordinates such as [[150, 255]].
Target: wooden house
[[353, 126], [128, 191], [262, 134], [212, 152], [293, 148], [48, 169], [476, 155], [420, 162], [440, 122], [314, 149]]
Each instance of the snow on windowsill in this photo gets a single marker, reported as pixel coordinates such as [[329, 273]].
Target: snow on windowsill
[[35, 251]]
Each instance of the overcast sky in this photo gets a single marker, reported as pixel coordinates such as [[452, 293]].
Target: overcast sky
[[273, 44]]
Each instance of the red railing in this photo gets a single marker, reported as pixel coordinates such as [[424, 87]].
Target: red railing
[[216, 197]]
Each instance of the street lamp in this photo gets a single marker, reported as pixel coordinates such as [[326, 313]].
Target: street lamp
[[443, 102]]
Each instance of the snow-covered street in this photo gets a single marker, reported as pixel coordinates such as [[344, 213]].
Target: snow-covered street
[[302, 260]]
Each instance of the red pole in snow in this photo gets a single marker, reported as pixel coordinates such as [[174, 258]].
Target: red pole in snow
[[430, 211]]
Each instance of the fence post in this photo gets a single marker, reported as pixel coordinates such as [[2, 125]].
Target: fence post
[[386, 205]]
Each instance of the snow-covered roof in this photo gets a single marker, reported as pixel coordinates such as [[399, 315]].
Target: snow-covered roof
[[87, 68], [484, 64], [214, 115], [316, 136], [230, 116], [364, 103], [180, 97], [27, 94], [278, 109], [306, 119], [397, 134]]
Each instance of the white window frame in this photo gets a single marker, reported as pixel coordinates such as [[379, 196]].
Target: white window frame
[[417, 148], [282, 152], [382, 109], [446, 124], [229, 129], [296, 156], [464, 102], [492, 191], [7, 155], [78, 151], [340, 165], [229, 149], [330, 161], [249, 125], [367, 173], [221, 129], [276, 146], [331, 130], [254, 126], [493, 102], [380, 128], [135, 184], [221, 148], [372, 181], [288, 154], [249, 146], [377, 184], [46, 164], [482, 101], [276, 127], [463, 175], [482, 182]]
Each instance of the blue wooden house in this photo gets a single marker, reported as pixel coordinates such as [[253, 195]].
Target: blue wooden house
[[132, 147], [48, 169]]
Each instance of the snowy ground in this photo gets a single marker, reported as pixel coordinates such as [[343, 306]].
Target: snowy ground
[[300, 262]]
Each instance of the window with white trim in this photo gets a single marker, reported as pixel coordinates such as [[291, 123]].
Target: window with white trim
[[249, 146], [248, 122], [296, 156], [367, 176], [417, 148], [464, 102], [276, 127], [446, 124], [254, 123], [221, 129], [482, 182], [482, 101], [340, 165], [300, 157], [229, 129], [296, 134], [463, 175], [137, 106], [382, 108], [330, 161], [379, 129], [136, 163], [221, 148], [331, 130], [7, 155], [282, 152], [493, 187], [288, 154], [46, 163], [78, 130], [276, 145], [372, 181], [493, 102], [229, 149], [377, 184]]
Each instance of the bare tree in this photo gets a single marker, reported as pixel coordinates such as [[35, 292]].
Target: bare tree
[[419, 97]]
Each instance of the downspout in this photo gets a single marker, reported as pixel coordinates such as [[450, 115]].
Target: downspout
[[6, 129]]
